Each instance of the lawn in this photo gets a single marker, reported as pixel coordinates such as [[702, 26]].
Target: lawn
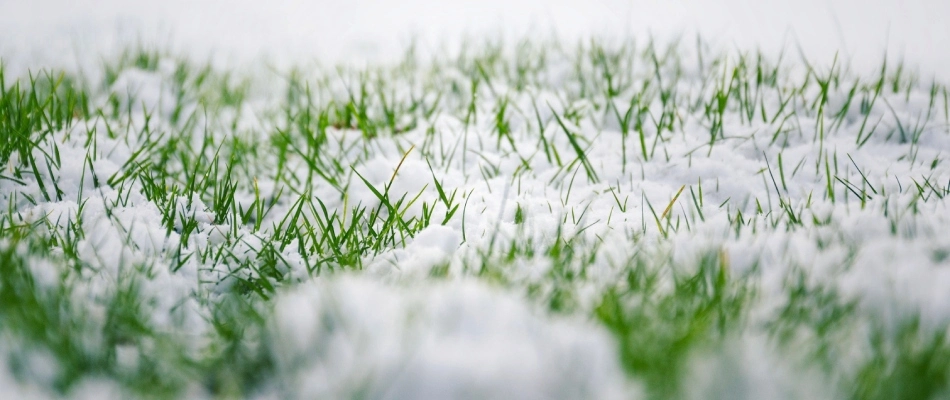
[[530, 219]]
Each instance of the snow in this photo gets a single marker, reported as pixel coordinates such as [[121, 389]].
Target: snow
[[392, 333], [749, 368], [431, 246], [457, 340]]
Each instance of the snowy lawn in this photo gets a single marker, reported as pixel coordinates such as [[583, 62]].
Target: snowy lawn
[[530, 219]]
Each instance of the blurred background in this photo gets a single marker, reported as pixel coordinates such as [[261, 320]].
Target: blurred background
[[287, 31]]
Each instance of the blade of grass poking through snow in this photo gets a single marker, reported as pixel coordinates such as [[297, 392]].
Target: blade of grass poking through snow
[[669, 207], [697, 204], [448, 201], [549, 149], [393, 219], [656, 218], [581, 154]]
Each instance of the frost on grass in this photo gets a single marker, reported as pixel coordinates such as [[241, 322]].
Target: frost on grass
[[530, 219]]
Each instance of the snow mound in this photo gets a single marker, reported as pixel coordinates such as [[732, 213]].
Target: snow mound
[[348, 336]]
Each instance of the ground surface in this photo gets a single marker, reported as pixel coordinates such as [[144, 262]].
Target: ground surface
[[250, 209]]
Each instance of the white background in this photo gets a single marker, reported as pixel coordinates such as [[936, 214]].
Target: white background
[[53, 31]]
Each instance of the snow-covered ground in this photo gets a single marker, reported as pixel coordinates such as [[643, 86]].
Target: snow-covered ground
[[759, 233]]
